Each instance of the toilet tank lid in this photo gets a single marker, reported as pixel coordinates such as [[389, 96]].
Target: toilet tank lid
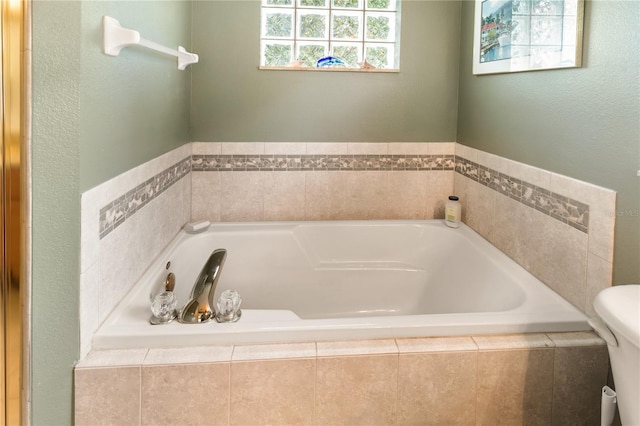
[[619, 308]]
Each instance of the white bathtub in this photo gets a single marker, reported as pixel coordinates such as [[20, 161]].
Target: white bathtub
[[308, 281]]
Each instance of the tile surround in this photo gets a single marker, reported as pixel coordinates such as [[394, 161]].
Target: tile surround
[[517, 379], [559, 229], [126, 205], [562, 208], [333, 181], [113, 214]]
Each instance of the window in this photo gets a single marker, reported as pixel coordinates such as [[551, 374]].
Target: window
[[352, 34]]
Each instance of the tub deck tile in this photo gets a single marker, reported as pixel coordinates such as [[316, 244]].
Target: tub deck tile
[[513, 341], [188, 355], [357, 347], [436, 344], [274, 351], [113, 358]]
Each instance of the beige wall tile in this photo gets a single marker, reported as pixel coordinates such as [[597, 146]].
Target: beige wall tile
[[441, 148], [284, 195], [290, 148], [514, 387], [478, 205], [242, 148], [469, 153], [405, 198], [367, 193], [241, 196], [514, 221], [579, 374], [206, 148], [367, 148], [357, 390], [320, 148], [552, 251], [602, 226], [273, 392], [205, 196], [437, 388], [404, 148], [602, 205], [107, 396], [437, 186], [188, 394], [325, 196], [599, 277], [529, 174], [558, 257]]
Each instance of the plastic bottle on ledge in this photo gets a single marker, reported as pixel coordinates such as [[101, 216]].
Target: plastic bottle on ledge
[[452, 212]]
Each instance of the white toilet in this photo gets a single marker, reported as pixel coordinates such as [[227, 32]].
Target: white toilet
[[619, 308]]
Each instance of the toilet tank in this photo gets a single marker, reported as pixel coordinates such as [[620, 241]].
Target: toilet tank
[[619, 308]]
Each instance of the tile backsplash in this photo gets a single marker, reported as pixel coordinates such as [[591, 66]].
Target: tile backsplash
[[554, 226]]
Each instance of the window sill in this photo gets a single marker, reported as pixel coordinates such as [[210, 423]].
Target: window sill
[[329, 69]]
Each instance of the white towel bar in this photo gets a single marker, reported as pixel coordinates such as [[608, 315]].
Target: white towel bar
[[115, 37]]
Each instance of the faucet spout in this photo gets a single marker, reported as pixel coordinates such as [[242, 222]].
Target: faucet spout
[[199, 308]]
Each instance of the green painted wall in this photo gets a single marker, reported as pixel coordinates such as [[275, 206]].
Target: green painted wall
[[56, 209], [93, 118], [234, 101], [134, 106], [583, 122]]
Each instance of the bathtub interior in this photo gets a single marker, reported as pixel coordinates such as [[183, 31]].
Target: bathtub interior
[[343, 280], [347, 270]]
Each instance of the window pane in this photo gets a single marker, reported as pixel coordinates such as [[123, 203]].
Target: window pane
[[277, 2], [347, 26], [380, 55], [381, 4], [380, 26], [347, 4], [349, 53], [313, 3], [309, 54], [313, 25], [277, 54], [277, 23]]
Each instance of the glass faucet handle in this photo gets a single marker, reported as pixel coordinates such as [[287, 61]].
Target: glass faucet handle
[[228, 306], [163, 308]]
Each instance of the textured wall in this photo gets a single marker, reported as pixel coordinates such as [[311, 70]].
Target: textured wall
[[93, 117], [583, 123], [134, 107], [56, 209], [234, 101]]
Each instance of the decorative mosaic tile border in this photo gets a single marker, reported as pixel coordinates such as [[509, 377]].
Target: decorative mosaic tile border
[[564, 209], [116, 212], [231, 163]]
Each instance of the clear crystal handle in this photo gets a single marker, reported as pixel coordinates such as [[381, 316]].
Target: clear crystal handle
[[228, 306], [163, 308]]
